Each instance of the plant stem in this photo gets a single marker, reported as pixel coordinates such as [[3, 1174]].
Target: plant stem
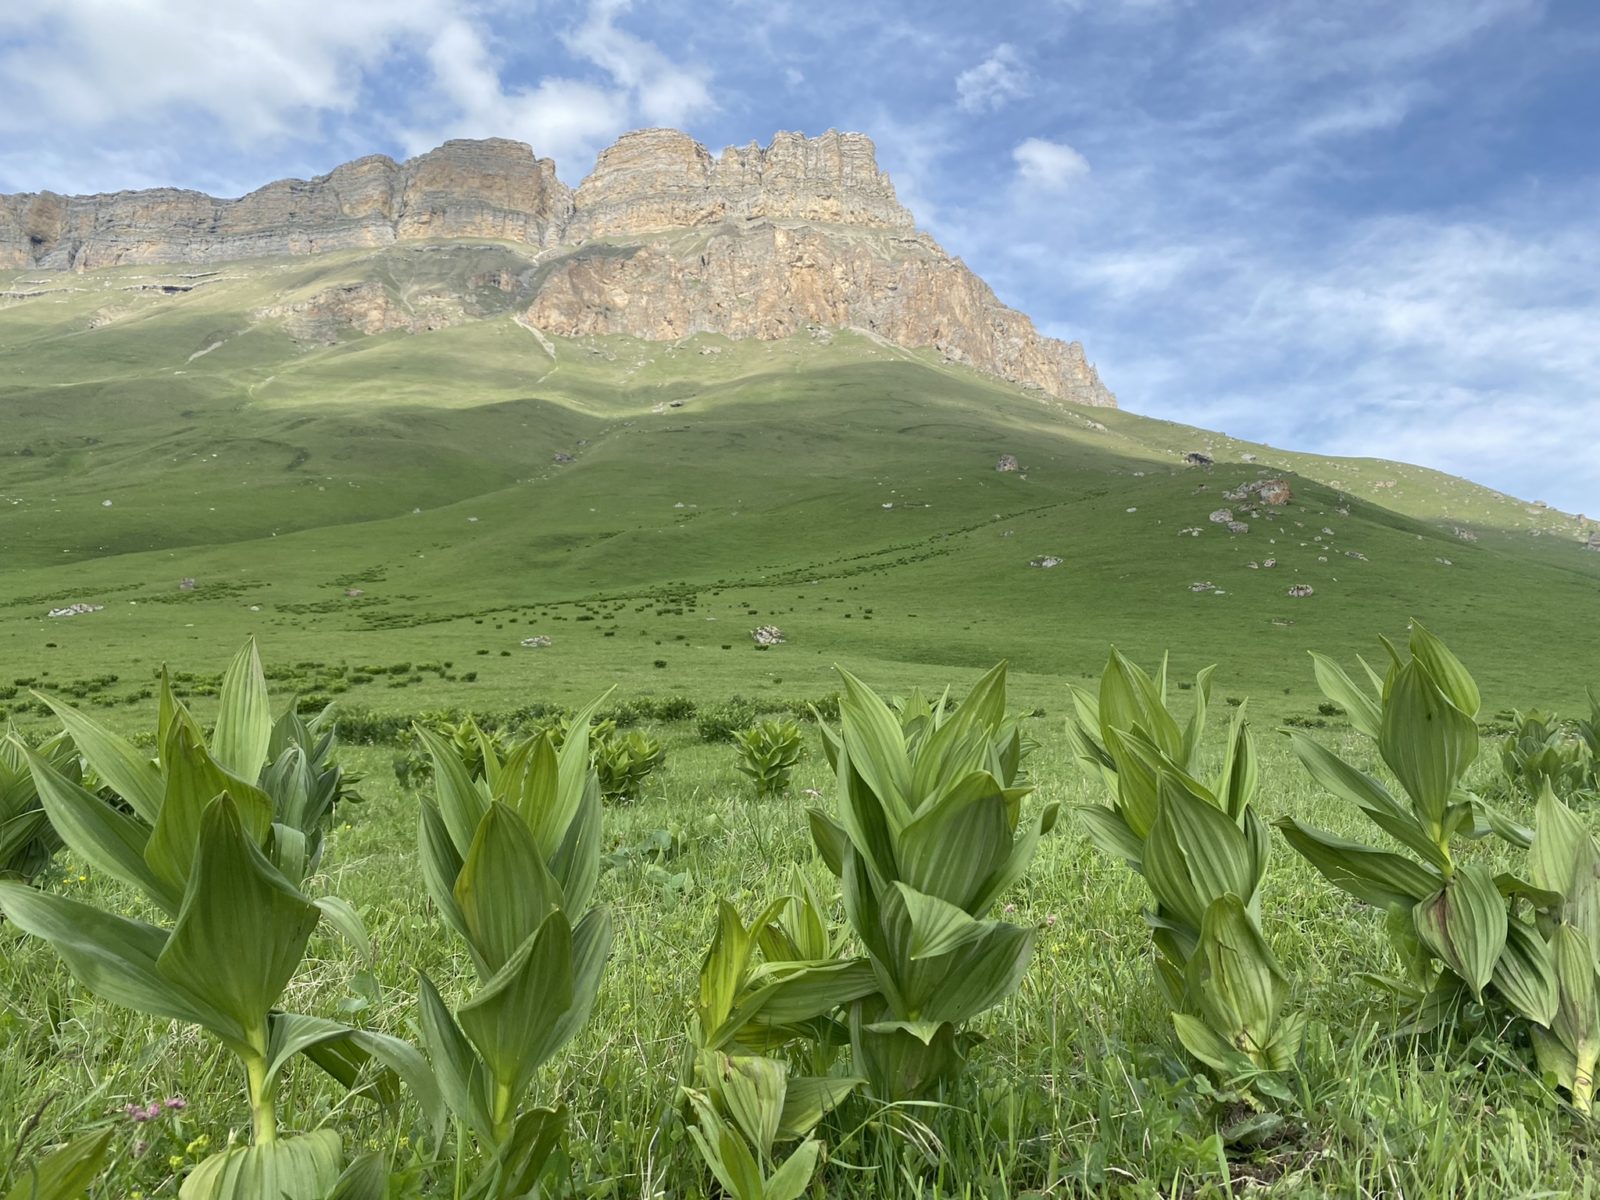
[[263, 1115]]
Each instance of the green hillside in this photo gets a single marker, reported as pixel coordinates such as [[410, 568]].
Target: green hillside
[[840, 488]]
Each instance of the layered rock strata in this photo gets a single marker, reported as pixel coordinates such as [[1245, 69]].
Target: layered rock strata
[[661, 241]]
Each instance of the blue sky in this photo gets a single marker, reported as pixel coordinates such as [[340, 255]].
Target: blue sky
[[1351, 226]]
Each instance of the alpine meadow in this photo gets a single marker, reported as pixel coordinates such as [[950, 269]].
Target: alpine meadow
[[670, 688]]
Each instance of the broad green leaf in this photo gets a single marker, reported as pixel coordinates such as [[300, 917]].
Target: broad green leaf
[[790, 1181], [461, 804], [1465, 924], [1236, 978], [513, 1018], [114, 957], [1525, 974], [441, 866], [244, 717], [456, 1065], [1194, 855], [1194, 732], [1108, 831], [1577, 1021], [937, 927], [367, 1178], [808, 1099], [299, 1168], [526, 1153], [193, 781], [576, 865], [342, 915], [348, 1055], [591, 948], [1337, 686], [109, 841], [130, 772], [1378, 877], [957, 841], [1427, 741], [1447, 671], [1016, 863], [504, 890], [752, 1090], [243, 927], [830, 839], [64, 1174], [1337, 776], [1200, 1040], [877, 749]]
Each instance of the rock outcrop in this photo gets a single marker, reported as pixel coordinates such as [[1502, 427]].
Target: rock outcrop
[[656, 179], [661, 241], [490, 189]]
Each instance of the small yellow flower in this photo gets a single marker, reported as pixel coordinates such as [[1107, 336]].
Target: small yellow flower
[[198, 1145], [83, 879], [174, 1161]]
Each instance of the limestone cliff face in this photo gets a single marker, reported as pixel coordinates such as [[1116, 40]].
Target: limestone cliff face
[[657, 179], [662, 240], [493, 189], [767, 280]]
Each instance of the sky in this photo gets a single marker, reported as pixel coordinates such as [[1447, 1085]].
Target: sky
[[1363, 227]]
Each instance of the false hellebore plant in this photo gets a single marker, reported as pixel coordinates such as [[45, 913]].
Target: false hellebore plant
[[511, 859], [202, 841], [744, 1102], [929, 834], [1460, 929], [1202, 851], [27, 840]]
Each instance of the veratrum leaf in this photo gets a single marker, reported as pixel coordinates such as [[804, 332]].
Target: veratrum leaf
[[1239, 984], [513, 1018], [301, 1168], [1337, 686], [243, 927], [1447, 670], [1525, 974], [66, 1173], [109, 841], [244, 718], [129, 772], [114, 957], [1378, 877], [193, 781], [504, 890], [1428, 742], [1465, 924]]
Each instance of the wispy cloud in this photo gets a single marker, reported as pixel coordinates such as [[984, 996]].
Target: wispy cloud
[[995, 82]]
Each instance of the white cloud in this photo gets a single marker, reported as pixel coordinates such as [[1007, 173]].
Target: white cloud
[[259, 68], [1048, 166], [995, 82], [664, 92], [565, 119]]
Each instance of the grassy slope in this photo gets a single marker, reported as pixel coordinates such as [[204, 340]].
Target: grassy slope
[[277, 475]]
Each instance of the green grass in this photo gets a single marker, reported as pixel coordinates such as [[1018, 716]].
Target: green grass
[[1078, 1091], [278, 476], [421, 469]]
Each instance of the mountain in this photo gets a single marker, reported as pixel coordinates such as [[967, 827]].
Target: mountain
[[661, 241], [425, 448]]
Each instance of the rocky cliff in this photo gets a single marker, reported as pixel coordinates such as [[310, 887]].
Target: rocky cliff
[[662, 240]]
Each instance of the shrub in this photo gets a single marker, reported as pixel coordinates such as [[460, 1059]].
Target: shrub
[[719, 722], [768, 752]]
